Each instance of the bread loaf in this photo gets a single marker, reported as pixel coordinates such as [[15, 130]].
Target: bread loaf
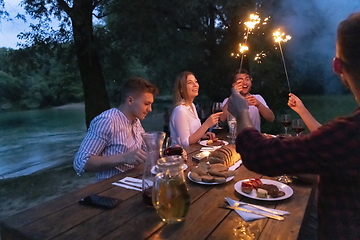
[[226, 155]]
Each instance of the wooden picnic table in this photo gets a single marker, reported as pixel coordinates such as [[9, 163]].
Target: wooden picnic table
[[65, 218]]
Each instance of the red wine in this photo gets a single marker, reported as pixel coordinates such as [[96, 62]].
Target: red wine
[[217, 110], [170, 151], [298, 129], [147, 196], [286, 123]]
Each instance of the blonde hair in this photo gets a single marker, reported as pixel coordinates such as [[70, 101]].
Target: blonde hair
[[180, 88]]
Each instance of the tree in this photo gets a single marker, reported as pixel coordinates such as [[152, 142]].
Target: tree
[[78, 13]]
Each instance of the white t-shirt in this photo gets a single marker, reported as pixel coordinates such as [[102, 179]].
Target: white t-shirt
[[184, 121], [253, 111]]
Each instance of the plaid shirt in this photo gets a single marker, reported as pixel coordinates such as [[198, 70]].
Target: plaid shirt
[[109, 133], [332, 152]]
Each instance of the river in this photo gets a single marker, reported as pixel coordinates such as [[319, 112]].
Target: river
[[38, 139]]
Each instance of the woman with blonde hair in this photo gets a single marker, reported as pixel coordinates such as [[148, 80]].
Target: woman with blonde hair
[[184, 121]]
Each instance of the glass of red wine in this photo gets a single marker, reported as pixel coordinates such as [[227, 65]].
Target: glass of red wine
[[173, 146], [298, 126], [215, 109], [286, 121]]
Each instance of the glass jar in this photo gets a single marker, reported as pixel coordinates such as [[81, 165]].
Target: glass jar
[[153, 141], [171, 197]]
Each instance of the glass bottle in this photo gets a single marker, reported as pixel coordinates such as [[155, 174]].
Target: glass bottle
[[153, 141], [171, 197]]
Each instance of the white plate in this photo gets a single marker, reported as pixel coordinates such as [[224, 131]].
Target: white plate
[[204, 143], [154, 168], [282, 187], [233, 167], [206, 183]]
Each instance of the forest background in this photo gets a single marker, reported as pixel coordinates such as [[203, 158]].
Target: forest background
[[99, 44]]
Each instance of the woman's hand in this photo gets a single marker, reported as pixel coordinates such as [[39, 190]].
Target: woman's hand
[[295, 103], [209, 135], [213, 119]]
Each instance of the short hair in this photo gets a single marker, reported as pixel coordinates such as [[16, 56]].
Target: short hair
[[240, 71], [136, 86], [348, 43], [180, 90]]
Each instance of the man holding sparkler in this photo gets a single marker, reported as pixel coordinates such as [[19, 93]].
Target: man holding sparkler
[[257, 105], [332, 151]]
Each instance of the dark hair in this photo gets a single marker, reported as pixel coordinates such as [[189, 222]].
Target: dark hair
[[136, 86], [180, 90], [348, 43], [240, 71]]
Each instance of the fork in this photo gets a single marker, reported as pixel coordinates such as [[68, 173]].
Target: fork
[[237, 204]]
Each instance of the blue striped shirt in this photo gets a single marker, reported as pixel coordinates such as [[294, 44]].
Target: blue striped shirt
[[109, 133]]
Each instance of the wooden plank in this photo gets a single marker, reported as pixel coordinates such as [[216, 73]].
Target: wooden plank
[[296, 205]]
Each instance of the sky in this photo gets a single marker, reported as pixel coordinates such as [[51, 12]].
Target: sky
[[10, 29]]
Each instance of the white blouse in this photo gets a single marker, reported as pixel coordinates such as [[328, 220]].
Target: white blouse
[[184, 121]]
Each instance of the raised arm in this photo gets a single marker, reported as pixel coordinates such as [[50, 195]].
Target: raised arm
[[297, 105]]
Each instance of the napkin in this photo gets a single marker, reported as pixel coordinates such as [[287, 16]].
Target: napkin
[[129, 183], [250, 216]]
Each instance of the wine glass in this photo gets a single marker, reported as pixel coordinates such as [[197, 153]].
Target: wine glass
[[284, 178], [173, 146], [298, 126], [286, 121], [215, 109], [232, 127]]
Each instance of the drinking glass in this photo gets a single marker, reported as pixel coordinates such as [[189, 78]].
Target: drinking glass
[[232, 127], [173, 147], [215, 109], [298, 126], [284, 178], [286, 121]]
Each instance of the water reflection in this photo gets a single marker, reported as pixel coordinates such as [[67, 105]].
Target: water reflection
[[36, 139]]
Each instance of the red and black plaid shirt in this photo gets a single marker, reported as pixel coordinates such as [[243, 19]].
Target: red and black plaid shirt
[[333, 152]]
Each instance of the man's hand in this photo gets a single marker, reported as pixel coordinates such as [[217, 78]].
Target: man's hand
[[252, 101], [135, 157]]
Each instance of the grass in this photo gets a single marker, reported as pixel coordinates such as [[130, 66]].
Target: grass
[[17, 194]]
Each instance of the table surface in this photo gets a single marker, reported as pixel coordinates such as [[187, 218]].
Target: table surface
[[65, 218]]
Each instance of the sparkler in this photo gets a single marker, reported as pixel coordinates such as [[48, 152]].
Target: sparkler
[[259, 56], [250, 25], [281, 37]]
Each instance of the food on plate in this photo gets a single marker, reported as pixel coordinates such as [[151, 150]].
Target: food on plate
[[255, 183], [207, 178], [215, 142], [226, 155], [204, 166], [217, 167], [272, 190], [261, 193], [195, 176], [210, 173], [246, 187], [200, 171], [219, 179]]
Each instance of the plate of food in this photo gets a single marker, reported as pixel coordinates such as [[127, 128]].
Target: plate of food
[[216, 174], [263, 189], [213, 143], [155, 169]]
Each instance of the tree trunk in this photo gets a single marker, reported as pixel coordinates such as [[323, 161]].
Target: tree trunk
[[95, 94]]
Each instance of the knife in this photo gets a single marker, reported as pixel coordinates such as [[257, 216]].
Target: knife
[[237, 204], [276, 217]]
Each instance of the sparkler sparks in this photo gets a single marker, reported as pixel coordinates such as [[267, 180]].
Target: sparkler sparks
[[281, 37], [260, 56]]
